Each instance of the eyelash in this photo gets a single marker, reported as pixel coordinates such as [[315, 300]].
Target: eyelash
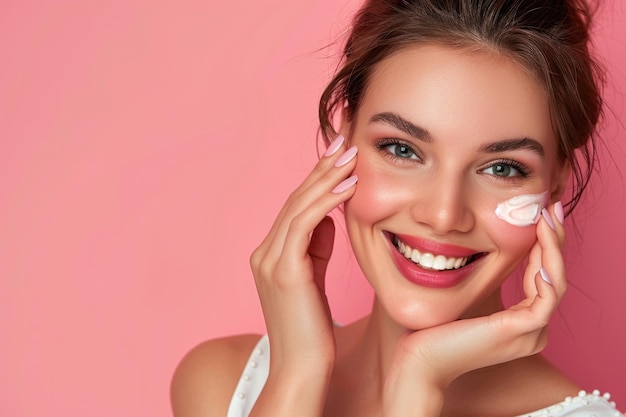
[[383, 143], [524, 172]]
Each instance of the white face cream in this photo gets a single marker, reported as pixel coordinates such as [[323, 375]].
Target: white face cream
[[522, 210]]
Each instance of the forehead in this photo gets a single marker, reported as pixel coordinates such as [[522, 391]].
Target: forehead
[[451, 91]]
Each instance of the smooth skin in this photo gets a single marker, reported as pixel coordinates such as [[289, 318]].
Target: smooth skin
[[470, 357]]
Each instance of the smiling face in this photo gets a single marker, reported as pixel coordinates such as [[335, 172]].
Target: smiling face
[[444, 136]]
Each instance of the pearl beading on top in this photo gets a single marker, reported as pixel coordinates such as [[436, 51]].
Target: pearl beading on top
[[594, 401], [252, 380], [256, 372], [252, 365]]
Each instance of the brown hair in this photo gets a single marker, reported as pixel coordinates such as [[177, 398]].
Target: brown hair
[[548, 37]]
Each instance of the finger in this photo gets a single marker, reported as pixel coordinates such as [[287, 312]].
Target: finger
[[533, 266], [557, 213], [552, 254], [326, 162], [553, 218], [546, 301], [302, 225], [318, 199], [320, 249]]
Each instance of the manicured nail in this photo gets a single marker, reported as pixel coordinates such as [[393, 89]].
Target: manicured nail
[[346, 157], [548, 218], [334, 146], [545, 276], [345, 184], [558, 210]]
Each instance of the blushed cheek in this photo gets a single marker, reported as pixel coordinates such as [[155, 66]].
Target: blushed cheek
[[512, 240], [378, 195]]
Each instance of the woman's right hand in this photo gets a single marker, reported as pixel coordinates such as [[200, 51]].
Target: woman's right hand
[[289, 269]]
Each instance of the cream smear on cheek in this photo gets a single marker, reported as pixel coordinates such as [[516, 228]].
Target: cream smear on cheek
[[522, 210]]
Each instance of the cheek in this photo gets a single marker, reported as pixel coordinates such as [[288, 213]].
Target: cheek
[[514, 241], [378, 194], [511, 243]]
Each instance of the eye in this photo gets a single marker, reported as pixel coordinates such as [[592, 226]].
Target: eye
[[506, 169], [397, 149]]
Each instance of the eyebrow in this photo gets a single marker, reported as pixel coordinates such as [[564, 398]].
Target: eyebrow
[[402, 124], [514, 145], [422, 134]]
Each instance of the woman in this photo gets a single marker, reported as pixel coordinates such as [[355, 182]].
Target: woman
[[458, 125]]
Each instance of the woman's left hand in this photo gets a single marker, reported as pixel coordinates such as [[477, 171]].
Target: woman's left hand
[[427, 361]]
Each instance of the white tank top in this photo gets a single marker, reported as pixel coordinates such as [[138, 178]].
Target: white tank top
[[257, 369], [252, 380]]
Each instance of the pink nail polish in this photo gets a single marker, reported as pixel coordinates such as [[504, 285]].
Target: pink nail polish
[[346, 157], [545, 276], [558, 210], [345, 184], [548, 218], [334, 146]]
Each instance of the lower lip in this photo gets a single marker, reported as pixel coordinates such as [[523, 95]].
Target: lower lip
[[430, 278]]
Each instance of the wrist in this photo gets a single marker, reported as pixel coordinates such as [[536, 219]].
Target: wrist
[[412, 387]]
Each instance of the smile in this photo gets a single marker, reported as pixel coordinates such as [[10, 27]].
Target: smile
[[429, 260], [432, 264]]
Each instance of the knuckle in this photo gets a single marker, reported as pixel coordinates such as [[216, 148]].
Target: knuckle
[[258, 258], [262, 267], [298, 224], [328, 176], [265, 271], [294, 198], [255, 259], [296, 203]]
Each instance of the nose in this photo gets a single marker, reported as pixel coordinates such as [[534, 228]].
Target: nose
[[444, 205]]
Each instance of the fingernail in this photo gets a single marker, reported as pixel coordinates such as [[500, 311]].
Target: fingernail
[[334, 146], [545, 276], [345, 184], [346, 157], [558, 210], [548, 218]]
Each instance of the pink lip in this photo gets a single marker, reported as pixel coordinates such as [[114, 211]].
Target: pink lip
[[436, 248], [431, 278]]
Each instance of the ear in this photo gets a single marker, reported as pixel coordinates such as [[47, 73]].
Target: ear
[[561, 175], [345, 130], [345, 127]]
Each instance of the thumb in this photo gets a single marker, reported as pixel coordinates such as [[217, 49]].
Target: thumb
[[320, 249]]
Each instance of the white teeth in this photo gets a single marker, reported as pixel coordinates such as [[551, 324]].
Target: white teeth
[[428, 260], [450, 263], [439, 263]]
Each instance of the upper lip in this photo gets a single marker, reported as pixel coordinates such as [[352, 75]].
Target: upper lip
[[436, 248]]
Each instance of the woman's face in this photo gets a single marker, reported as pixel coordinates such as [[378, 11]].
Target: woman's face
[[444, 136]]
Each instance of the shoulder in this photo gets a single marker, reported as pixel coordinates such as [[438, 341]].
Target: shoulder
[[206, 377]]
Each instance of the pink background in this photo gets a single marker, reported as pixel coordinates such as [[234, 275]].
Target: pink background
[[145, 148]]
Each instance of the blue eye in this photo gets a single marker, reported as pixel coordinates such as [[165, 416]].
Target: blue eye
[[506, 169], [398, 150]]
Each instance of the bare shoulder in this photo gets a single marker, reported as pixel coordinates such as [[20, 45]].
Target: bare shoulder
[[206, 377], [518, 387]]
